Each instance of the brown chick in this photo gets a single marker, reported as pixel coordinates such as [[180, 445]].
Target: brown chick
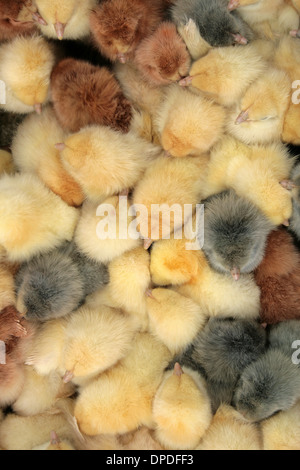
[[119, 26], [163, 58], [11, 25], [278, 278], [83, 94]]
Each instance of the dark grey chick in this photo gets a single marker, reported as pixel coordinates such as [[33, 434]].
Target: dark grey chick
[[216, 24], [57, 283], [267, 386], [235, 234], [285, 336]]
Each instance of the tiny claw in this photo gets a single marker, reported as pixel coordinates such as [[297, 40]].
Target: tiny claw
[[122, 58], [54, 438], [60, 146], [38, 108], [60, 30], [288, 184], [236, 274], [239, 39], [242, 117], [286, 223], [39, 19], [295, 33], [233, 4], [178, 370], [147, 243], [68, 377], [186, 81]]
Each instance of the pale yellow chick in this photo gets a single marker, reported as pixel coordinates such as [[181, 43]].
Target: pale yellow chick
[[282, 431]]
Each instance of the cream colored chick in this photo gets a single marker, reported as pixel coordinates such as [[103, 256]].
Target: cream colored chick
[[95, 340], [231, 299], [197, 46], [65, 20], [181, 409], [26, 64], [32, 218], [168, 184], [230, 431], [267, 18], [174, 319], [106, 162], [282, 431], [259, 116], [43, 132], [225, 73], [120, 400], [102, 232], [6, 163], [28, 432], [254, 172], [55, 444], [129, 276], [188, 125], [40, 393]]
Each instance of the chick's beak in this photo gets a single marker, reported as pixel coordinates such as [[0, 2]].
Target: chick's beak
[[239, 39], [242, 117], [39, 19], [60, 30], [38, 108], [236, 273], [233, 4]]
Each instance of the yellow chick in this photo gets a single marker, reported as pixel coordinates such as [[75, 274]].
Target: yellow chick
[[43, 132], [181, 409], [55, 444], [103, 232], [188, 125], [254, 172], [95, 340], [85, 157], [258, 118], [65, 20], [230, 431], [197, 46], [161, 195], [32, 218], [6, 163], [282, 431], [174, 319], [225, 73], [120, 400], [26, 64]]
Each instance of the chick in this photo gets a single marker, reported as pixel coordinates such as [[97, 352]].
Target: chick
[[283, 336], [118, 27], [254, 172], [33, 219], [278, 277], [222, 350], [83, 94], [129, 280], [120, 400], [95, 340], [55, 444], [235, 234], [9, 123], [168, 184], [56, 283], [196, 45], [43, 131], [235, 69], [40, 393], [268, 18], [7, 286], [181, 409], [229, 431], [281, 432], [188, 125], [27, 432], [295, 219], [65, 20], [25, 67], [267, 386], [10, 24], [84, 155], [162, 58], [173, 318], [11, 324], [215, 23], [103, 231]]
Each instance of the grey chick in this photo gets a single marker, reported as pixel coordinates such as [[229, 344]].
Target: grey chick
[[235, 234], [221, 352], [9, 123], [285, 336], [57, 283], [216, 24], [267, 386], [295, 182]]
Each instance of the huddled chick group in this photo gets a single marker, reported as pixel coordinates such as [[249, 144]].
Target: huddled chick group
[[186, 336]]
